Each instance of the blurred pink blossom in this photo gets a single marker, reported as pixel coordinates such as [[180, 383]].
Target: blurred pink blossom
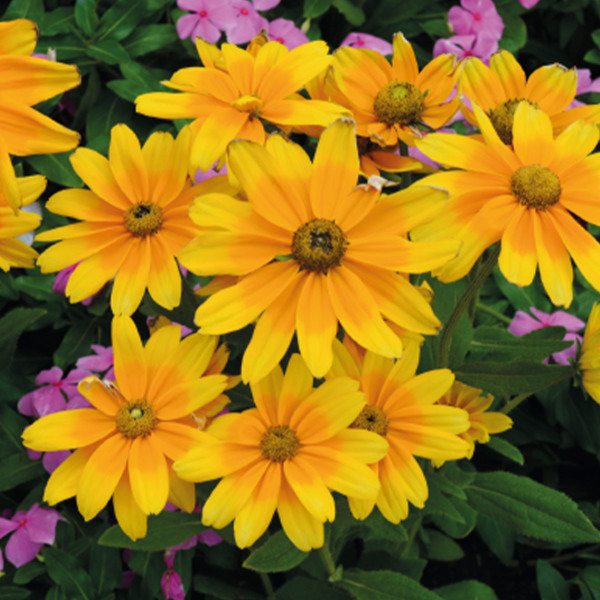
[[366, 40], [31, 530], [62, 278], [476, 16], [101, 362], [171, 585], [585, 84], [285, 32], [523, 323], [482, 46], [528, 3], [207, 19], [245, 24], [265, 4]]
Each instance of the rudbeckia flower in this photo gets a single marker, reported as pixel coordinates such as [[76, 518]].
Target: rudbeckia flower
[[14, 252], [401, 409], [311, 248], [286, 455], [237, 90], [589, 358], [388, 102], [499, 88], [134, 220], [481, 421], [527, 195], [126, 443], [26, 81]]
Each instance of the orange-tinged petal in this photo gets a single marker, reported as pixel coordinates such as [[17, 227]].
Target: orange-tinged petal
[[297, 385], [425, 388], [240, 67], [509, 73], [518, 257], [205, 83], [164, 277], [551, 87], [105, 399], [132, 278], [148, 475], [64, 480], [185, 105], [404, 62], [130, 517], [364, 446], [130, 366], [175, 439], [481, 85], [266, 393], [9, 186], [437, 79], [309, 488], [181, 493], [343, 362], [127, 163], [269, 54], [191, 396], [299, 111], [533, 140], [83, 205], [374, 372], [573, 145]]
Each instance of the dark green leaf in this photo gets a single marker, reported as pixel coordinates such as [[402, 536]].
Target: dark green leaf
[[55, 593], [453, 527], [215, 588], [383, 585], [505, 448], [515, 34], [275, 555], [507, 378], [77, 341], [149, 38], [121, 19], [86, 17], [28, 572], [108, 51], [441, 547], [522, 298], [67, 573], [315, 8], [467, 590], [301, 588], [57, 168], [589, 581], [596, 37], [38, 287], [68, 47], [354, 15], [11, 592], [107, 112], [105, 568], [380, 528], [499, 539], [7, 288], [12, 325], [25, 9], [164, 530], [11, 427], [60, 20], [551, 584], [17, 469], [530, 508]]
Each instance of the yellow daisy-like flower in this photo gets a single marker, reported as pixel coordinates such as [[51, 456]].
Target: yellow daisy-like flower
[[134, 220], [589, 358], [527, 195], [13, 252], [126, 443], [401, 407], [499, 88], [238, 89], [389, 101], [482, 422], [27, 81], [286, 455], [311, 248]]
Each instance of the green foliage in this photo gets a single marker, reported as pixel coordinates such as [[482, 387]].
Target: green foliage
[[276, 554]]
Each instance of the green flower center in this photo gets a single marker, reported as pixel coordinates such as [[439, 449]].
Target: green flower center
[[399, 102], [503, 116], [372, 419], [319, 245], [135, 419], [279, 443], [536, 187], [143, 218]]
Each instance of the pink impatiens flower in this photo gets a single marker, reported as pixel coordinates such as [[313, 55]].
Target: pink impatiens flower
[[246, 23], [31, 530], [482, 46], [286, 33], [101, 362], [528, 3], [207, 19], [523, 323], [476, 17], [585, 84], [368, 41]]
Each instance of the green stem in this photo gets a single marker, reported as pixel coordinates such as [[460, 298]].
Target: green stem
[[512, 404], [412, 534], [327, 559], [581, 553], [268, 586], [494, 313], [463, 302]]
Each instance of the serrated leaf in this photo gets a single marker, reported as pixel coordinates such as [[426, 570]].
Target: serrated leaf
[[12, 325], [60, 20], [530, 508], [315, 8], [551, 584], [383, 585], [505, 448], [467, 590], [57, 168], [275, 555], [65, 571], [86, 16], [164, 530], [453, 527], [108, 51], [149, 38]]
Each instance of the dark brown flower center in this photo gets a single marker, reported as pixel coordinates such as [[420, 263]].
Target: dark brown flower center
[[536, 187], [135, 419], [503, 116], [143, 218], [319, 245], [373, 419], [279, 443], [399, 102]]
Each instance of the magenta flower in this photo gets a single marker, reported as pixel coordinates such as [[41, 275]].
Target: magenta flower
[[286, 33], [528, 3], [207, 19], [245, 24], [585, 84], [481, 46], [265, 4], [476, 16], [101, 363], [32, 529], [366, 40], [523, 323], [171, 585], [59, 285]]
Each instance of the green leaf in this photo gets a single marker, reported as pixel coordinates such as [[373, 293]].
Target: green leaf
[[60, 20], [501, 446], [106, 112], [589, 581], [18, 469], [354, 15], [275, 555], [514, 35], [38, 287], [138, 80], [508, 378], [86, 16], [467, 590], [149, 38], [121, 19], [530, 508], [7, 288], [76, 342], [12, 325], [11, 426], [28, 572], [453, 527], [301, 588], [25, 9], [441, 547], [522, 298], [551, 584], [11, 592], [105, 568], [56, 593], [164, 530], [596, 37], [499, 539], [380, 528], [57, 168], [67, 573], [108, 51], [214, 588], [315, 8], [383, 585]]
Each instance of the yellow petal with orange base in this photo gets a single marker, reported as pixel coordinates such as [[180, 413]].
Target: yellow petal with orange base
[[509, 73], [130, 517], [148, 474], [552, 88], [64, 480]]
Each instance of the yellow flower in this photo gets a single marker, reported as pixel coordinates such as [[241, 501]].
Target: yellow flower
[[482, 423], [13, 252], [589, 358], [499, 88], [311, 248], [401, 407], [127, 442], [238, 89], [389, 101], [286, 455], [527, 195], [27, 81], [134, 220]]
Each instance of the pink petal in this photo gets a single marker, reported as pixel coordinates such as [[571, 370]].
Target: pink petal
[[265, 4], [76, 375], [523, 323], [52, 460], [25, 404], [460, 20], [562, 358], [571, 323], [6, 526], [186, 25], [172, 586], [207, 31], [366, 40], [195, 5], [528, 3], [48, 400], [285, 32], [209, 538], [40, 524], [541, 316], [53, 375], [20, 549]]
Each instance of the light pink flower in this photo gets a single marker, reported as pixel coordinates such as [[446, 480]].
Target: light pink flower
[[59, 285], [476, 16], [207, 19], [265, 4], [368, 41], [32, 529], [101, 362], [585, 84], [482, 46], [523, 323], [246, 23], [528, 3], [285, 32]]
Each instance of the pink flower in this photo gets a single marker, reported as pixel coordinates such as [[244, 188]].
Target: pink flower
[[59, 284], [208, 19], [482, 46], [523, 323], [366, 40], [476, 16], [246, 23], [100, 363], [528, 3], [32, 529], [585, 84], [171, 585], [265, 4], [285, 32], [201, 175]]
